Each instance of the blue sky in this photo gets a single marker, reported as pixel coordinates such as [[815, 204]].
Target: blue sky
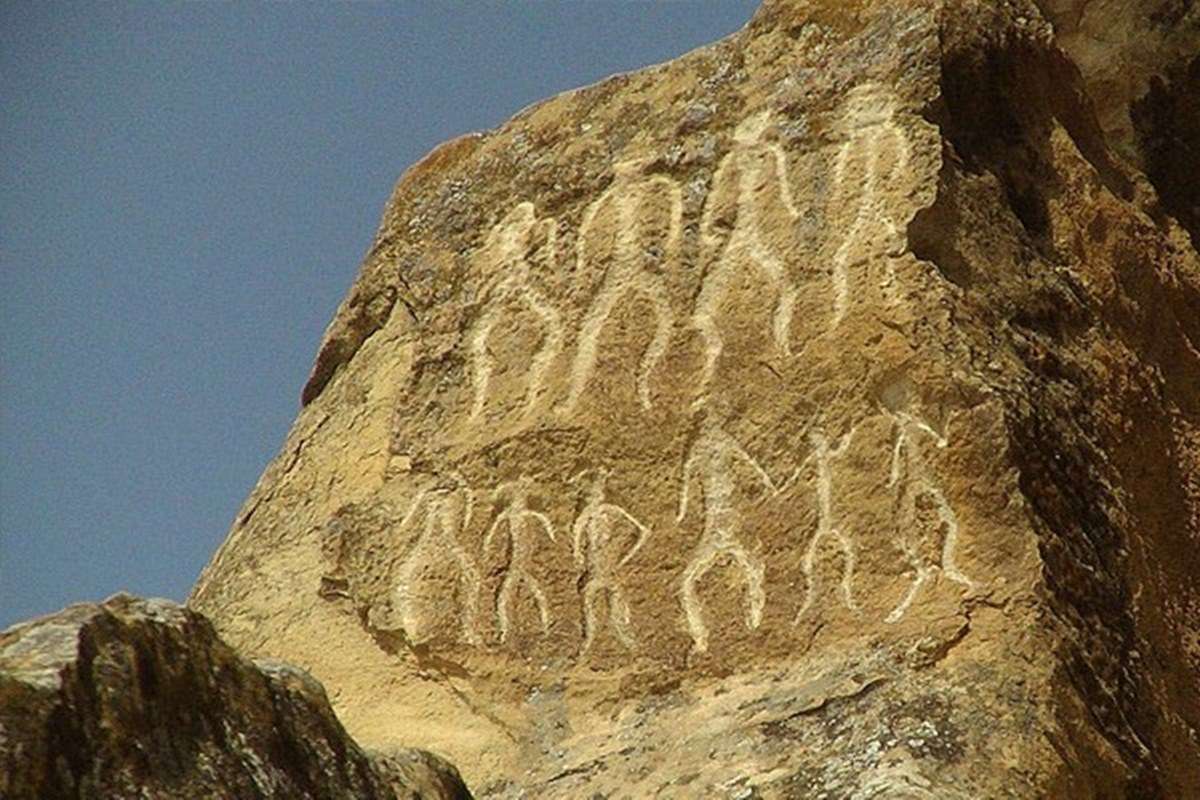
[[186, 190]]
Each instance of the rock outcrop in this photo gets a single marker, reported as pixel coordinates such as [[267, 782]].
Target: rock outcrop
[[815, 415], [1122, 50], [1141, 67], [139, 698]]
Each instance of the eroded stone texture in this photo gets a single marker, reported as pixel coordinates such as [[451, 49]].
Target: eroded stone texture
[[815, 413], [139, 698], [1122, 49], [1141, 66]]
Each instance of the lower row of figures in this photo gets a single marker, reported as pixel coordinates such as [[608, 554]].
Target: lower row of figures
[[605, 537]]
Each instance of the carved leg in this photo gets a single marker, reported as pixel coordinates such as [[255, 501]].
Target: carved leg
[[588, 344], [912, 553], [810, 588], [662, 337], [503, 603], [481, 363], [691, 602], [618, 612], [539, 598], [754, 571], [781, 319], [705, 322], [848, 561], [590, 593], [552, 336], [468, 586], [950, 541]]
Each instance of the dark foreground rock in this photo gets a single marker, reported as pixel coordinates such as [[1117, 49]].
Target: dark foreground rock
[[140, 698]]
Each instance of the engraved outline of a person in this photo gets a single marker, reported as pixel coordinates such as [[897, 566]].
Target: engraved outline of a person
[[871, 109], [510, 241], [909, 473], [824, 455], [443, 521], [626, 272], [593, 548], [713, 458], [743, 173], [517, 572]]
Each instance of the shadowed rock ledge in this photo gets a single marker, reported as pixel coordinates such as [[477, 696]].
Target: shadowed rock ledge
[[135, 698]]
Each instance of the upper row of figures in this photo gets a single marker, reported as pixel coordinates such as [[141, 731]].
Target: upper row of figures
[[606, 536], [752, 181]]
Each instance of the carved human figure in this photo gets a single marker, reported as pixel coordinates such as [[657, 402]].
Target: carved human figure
[[615, 232], [508, 247], [515, 520], [597, 554], [827, 528], [715, 461], [912, 481], [445, 511], [751, 198], [875, 154]]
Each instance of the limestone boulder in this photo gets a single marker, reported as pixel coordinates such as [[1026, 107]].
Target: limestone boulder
[[139, 698], [817, 414]]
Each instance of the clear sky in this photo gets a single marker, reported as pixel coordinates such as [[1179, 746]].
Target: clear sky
[[186, 190]]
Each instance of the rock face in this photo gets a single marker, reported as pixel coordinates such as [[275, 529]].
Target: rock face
[[817, 414], [1123, 49], [1141, 67], [139, 698]]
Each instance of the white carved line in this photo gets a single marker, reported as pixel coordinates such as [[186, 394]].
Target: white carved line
[[515, 518], [713, 462], [593, 548], [950, 542], [910, 475], [439, 538], [509, 241], [871, 111], [630, 195], [743, 173], [824, 456]]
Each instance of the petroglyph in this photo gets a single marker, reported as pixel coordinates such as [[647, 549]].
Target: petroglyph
[[596, 554], [824, 455], [714, 461], [875, 154], [447, 511], [753, 179], [626, 209], [515, 519], [508, 245], [910, 477]]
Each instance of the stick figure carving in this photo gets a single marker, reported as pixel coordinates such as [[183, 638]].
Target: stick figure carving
[[861, 179], [447, 511], [714, 460], [628, 205], [910, 478], [824, 455], [516, 518], [508, 246], [752, 183], [595, 546]]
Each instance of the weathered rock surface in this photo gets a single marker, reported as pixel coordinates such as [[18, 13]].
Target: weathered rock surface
[[1122, 49], [1141, 67], [816, 415], [139, 698]]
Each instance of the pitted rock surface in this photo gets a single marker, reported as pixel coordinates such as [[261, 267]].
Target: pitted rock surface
[[817, 414]]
